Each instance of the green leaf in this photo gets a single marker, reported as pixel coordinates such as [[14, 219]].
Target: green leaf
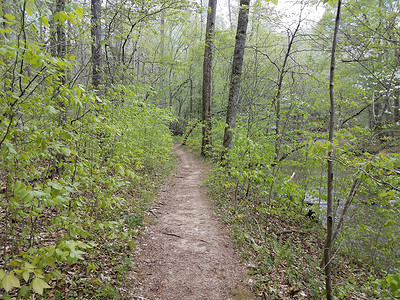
[[33, 27], [23, 290], [2, 274], [120, 170], [79, 12], [77, 254], [52, 110], [44, 20], [330, 147], [27, 269], [38, 273], [9, 281], [28, 11], [10, 148], [38, 285], [10, 17], [49, 261], [331, 3], [55, 186], [17, 185], [66, 151], [25, 275], [389, 223]]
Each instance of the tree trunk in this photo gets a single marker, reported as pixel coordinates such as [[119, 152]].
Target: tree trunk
[[278, 96], [201, 22], [191, 94], [207, 77], [329, 210], [60, 50], [163, 102], [396, 106], [236, 73], [230, 17], [396, 100], [61, 46], [97, 78], [170, 86]]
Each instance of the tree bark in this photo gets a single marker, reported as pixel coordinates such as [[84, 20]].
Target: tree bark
[[396, 106], [97, 77], [236, 73], [329, 210], [60, 51], [396, 100], [207, 77], [61, 45], [163, 103], [191, 94], [230, 17]]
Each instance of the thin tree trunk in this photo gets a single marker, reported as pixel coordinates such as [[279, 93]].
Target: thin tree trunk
[[207, 77], [163, 103], [170, 86], [329, 211], [61, 39], [61, 51], [236, 73], [191, 94], [396, 100], [396, 106], [278, 96], [230, 17], [97, 78], [201, 22]]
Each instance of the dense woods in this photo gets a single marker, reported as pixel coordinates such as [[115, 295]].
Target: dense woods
[[299, 115]]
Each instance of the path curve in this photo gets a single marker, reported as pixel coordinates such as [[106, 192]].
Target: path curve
[[186, 253]]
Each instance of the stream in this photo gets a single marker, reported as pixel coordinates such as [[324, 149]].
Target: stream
[[370, 231]]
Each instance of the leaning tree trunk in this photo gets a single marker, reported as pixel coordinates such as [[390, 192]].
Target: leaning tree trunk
[[97, 78], [329, 210], [207, 77], [236, 73]]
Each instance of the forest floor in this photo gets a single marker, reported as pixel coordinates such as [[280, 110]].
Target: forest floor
[[186, 252]]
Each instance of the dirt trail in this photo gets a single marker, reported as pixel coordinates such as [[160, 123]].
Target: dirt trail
[[186, 253]]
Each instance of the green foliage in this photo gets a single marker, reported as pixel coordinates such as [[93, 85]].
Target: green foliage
[[391, 286], [257, 187], [330, 2], [73, 164]]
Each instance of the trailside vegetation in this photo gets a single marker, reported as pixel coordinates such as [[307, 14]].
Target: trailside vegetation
[[77, 167]]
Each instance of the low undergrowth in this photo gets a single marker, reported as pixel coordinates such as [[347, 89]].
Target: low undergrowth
[[76, 174], [283, 250]]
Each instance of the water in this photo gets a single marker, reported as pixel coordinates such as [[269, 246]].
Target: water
[[368, 231]]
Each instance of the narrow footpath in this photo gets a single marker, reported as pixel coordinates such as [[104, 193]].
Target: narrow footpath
[[186, 252]]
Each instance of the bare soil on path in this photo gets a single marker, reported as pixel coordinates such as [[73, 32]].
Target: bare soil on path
[[186, 252]]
